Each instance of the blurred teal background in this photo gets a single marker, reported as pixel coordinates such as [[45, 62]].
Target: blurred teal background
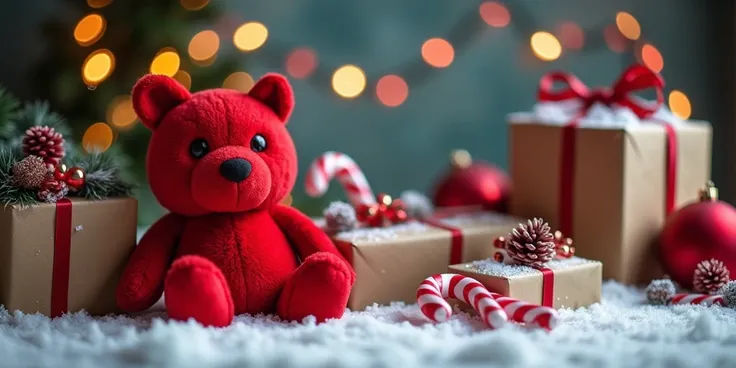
[[464, 105]]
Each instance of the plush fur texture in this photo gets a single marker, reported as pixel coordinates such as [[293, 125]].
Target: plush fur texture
[[227, 247]]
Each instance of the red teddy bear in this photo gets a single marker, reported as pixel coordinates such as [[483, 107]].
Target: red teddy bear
[[220, 161]]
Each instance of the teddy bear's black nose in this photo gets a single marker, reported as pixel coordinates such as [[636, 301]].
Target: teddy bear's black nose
[[235, 169]]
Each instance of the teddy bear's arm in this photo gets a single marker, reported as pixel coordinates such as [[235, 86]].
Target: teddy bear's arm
[[141, 284], [304, 235]]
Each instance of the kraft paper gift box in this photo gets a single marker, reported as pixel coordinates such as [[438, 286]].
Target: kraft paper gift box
[[611, 183], [65, 257], [572, 283], [391, 262]]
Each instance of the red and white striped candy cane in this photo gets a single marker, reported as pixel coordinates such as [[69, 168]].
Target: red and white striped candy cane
[[702, 299], [433, 290], [340, 166], [528, 313]]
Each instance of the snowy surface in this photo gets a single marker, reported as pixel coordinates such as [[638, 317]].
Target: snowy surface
[[493, 268], [619, 332]]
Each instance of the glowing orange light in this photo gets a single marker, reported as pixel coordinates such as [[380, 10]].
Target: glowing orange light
[[97, 4], [166, 62], [438, 53], [628, 25], [301, 63], [495, 14], [239, 81], [97, 138], [204, 45], [120, 113], [571, 35], [98, 66], [652, 58], [250, 36], [184, 78], [392, 90], [348, 81], [89, 29], [614, 39], [680, 104], [546, 46], [194, 4]]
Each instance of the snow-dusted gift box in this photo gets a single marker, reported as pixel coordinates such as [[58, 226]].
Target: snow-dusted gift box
[[565, 283], [390, 262], [606, 168], [67, 256]]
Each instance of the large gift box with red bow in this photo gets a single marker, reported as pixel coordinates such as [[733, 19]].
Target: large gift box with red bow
[[606, 168], [391, 261], [65, 256]]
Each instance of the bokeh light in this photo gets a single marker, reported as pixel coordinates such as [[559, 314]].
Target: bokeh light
[[239, 81], [204, 45], [571, 35], [97, 4], [392, 90], [651, 58], [250, 36], [97, 138], [546, 46], [89, 29], [348, 81], [120, 112], [184, 78], [614, 39], [494, 14], [438, 52], [166, 62], [98, 66], [194, 4], [628, 26], [680, 104], [301, 63]]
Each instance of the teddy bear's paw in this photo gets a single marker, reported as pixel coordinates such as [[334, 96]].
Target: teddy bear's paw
[[195, 288], [319, 287]]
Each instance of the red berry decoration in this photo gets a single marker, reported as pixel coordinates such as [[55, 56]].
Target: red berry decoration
[[52, 190], [532, 244], [44, 142], [710, 275], [470, 183], [697, 232]]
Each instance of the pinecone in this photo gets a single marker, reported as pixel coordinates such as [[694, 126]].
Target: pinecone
[[710, 275], [44, 142], [29, 172], [52, 190], [531, 244], [660, 292], [340, 216]]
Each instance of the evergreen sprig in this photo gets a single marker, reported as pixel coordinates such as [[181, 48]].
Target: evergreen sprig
[[8, 114], [104, 175], [11, 195]]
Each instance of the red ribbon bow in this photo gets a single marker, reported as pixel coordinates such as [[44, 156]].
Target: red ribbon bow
[[387, 211], [635, 78]]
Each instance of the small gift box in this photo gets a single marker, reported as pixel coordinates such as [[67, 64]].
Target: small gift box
[[65, 256], [606, 168]]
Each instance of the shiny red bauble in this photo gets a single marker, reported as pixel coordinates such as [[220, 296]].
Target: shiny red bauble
[[697, 232], [469, 183]]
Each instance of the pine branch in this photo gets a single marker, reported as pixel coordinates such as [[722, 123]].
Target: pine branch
[[8, 114], [11, 195], [39, 113], [104, 175]]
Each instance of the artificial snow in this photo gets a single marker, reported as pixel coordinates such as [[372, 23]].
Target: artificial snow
[[619, 332], [380, 234], [492, 268]]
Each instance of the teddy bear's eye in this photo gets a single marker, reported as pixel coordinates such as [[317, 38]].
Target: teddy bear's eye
[[258, 143], [199, 148]]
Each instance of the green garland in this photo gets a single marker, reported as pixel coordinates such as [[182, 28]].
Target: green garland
[[105, 175]]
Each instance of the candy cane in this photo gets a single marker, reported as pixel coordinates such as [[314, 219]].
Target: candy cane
[[433, 290], [523, 312], [702, 299], [339, 165]]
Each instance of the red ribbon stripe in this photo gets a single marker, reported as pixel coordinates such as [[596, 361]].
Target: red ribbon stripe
[[62, 258]]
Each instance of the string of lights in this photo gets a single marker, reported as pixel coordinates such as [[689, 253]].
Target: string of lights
[[621, 34]]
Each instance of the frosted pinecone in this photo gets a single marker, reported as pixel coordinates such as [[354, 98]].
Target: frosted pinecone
[[417, 204], [531, 244], [660, 292], [728, 292], [709, 276], [29, 172], [340, 216], [44, 142]]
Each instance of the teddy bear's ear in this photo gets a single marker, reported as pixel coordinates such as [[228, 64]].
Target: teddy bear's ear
[[274, 91], [155, 95]]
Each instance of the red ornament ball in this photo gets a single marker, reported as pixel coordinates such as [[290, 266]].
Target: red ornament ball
[[698, 232], [470, 183]]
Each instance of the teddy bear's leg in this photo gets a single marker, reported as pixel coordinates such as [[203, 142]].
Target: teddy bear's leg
[[319, 287], [195, 288]]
